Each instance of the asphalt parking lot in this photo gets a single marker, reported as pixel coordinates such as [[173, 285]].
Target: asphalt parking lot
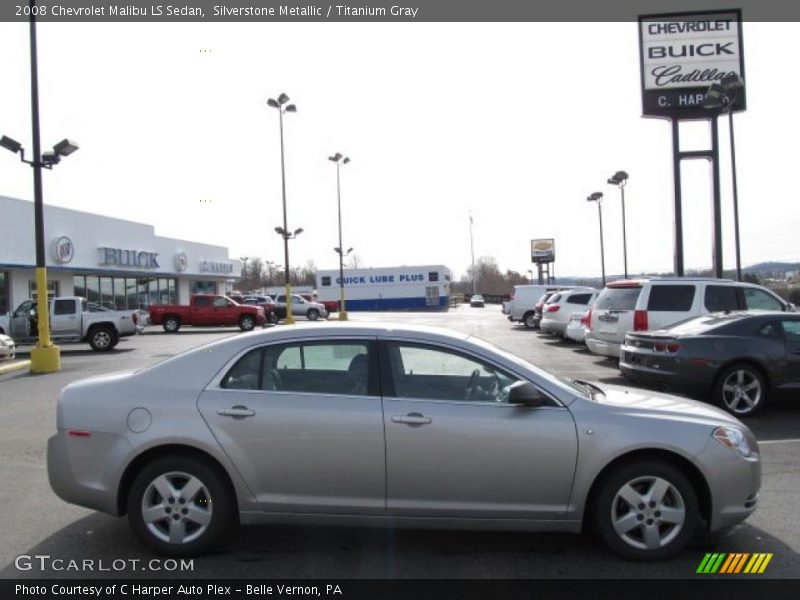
[[35, 522]]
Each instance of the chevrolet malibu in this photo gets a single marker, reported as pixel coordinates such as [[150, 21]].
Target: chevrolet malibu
[[401, 426]]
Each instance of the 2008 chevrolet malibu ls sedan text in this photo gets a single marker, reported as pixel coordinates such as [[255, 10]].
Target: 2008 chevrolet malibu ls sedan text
[[416, 427]]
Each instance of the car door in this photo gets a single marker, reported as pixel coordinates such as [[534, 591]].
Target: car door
[[791, 332], [66, 318], [201, 310], [455, 449], [21, 322], [222, 312], [298, 306], [303, 423]]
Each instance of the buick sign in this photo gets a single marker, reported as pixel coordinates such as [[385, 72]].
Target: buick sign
[[682, 54], [63, 250]]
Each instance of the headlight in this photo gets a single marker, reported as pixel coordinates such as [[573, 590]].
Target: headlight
[[731, 437]]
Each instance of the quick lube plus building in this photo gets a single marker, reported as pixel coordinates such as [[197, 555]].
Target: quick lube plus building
[[116, 263], [424, 287]]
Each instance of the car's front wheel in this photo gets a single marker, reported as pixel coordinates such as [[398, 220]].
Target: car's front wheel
[[180, 506], [646, 510], [247, 323], [312, 314]]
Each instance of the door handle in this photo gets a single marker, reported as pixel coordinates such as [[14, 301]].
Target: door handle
[[412, 419], [236, 411]]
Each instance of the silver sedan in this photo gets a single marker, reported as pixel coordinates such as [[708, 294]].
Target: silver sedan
[[399, 426]]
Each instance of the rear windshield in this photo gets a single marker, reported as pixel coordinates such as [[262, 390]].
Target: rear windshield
[[618, 298], [701, 325]]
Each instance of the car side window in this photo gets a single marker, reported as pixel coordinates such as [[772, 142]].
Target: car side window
[[791, 329], [671, 298], [220, 302], [24, 309], [579, 299], [63, 307], [246, 373], [719, 298], [770, 330], [335, 367], [202, 301], [431, 372], [756, 299]]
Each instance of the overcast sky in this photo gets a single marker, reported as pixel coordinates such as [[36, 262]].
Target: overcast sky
[[516, 123]]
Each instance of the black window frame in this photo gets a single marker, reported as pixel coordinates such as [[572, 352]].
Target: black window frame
[[587, 295], [63, 302], [325, 281], [740, 304], [659, 287]]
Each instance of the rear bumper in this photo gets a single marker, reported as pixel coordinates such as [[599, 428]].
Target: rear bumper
[[602, 347], [553, 326]]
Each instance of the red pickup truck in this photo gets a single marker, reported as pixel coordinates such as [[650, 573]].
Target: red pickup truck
[[207, 310]]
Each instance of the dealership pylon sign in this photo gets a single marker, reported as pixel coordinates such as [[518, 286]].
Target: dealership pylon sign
[[682, 54]]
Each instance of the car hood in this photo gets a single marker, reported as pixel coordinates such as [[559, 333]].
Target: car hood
[[647, 403]]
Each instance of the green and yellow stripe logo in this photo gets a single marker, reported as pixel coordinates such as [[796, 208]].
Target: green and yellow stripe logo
[[734, 563]]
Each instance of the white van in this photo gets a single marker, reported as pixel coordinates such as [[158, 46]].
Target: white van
[[650, 304], [522, 303]]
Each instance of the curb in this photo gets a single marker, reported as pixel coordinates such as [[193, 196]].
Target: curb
[[15, 366]]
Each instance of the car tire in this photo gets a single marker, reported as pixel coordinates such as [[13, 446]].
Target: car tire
[[528, 319], [171, 324], [272, 318], [203, 519], [247, 323], [312, 314], [740, 390], [102, 339], [638, 528]]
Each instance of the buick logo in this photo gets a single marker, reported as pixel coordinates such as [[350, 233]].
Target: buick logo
[[181, 262], [63, 250]]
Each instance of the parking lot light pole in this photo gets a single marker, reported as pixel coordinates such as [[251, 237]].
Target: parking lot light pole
[[339, 159], [598, 197], [244, 260], [620, 179], [288, 235], [722, 96], [530, 272], [46, 356], [282, 107]]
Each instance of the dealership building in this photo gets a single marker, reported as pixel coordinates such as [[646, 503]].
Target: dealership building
[[119, 264]]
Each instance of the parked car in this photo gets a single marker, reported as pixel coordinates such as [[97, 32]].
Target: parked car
[[561, 306], [737, 360], [477, 301], [70, 321], [265, 302], [207, 310], [576, 328], [300, 308], [8, 349], [302, 425], [523, 300], [650, 304]]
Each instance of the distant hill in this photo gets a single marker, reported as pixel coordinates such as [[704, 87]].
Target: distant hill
[[769, 267]]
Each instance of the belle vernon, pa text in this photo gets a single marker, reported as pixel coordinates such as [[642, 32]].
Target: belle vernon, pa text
[[127, 589]]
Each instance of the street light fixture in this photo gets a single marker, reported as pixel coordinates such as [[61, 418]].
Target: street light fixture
[[340, 159], [620, 179], [46, 356], [281, 106], [598, 197], [721, 97]]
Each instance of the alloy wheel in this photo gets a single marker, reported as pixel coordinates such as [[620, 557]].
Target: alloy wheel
[[176, 508], [741, 391], [648, 512]]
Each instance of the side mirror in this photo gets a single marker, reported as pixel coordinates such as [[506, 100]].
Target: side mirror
[[526, 394], [791, 307]]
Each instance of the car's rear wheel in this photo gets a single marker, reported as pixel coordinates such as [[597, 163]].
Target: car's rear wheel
[[180, 506], [741, 390], [646, 510], [273, 318], [312, 314], [171, 324], [247, 322], [102, 339], [529, 320]]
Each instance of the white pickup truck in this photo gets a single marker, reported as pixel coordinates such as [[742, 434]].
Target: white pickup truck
[[71, 321]]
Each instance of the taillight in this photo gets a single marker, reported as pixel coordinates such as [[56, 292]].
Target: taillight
[[640, 320], [588, 318], [553, 308], [135, 319], [672, 347]]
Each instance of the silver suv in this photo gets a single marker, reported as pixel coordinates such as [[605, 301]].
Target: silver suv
[[650, 304]]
